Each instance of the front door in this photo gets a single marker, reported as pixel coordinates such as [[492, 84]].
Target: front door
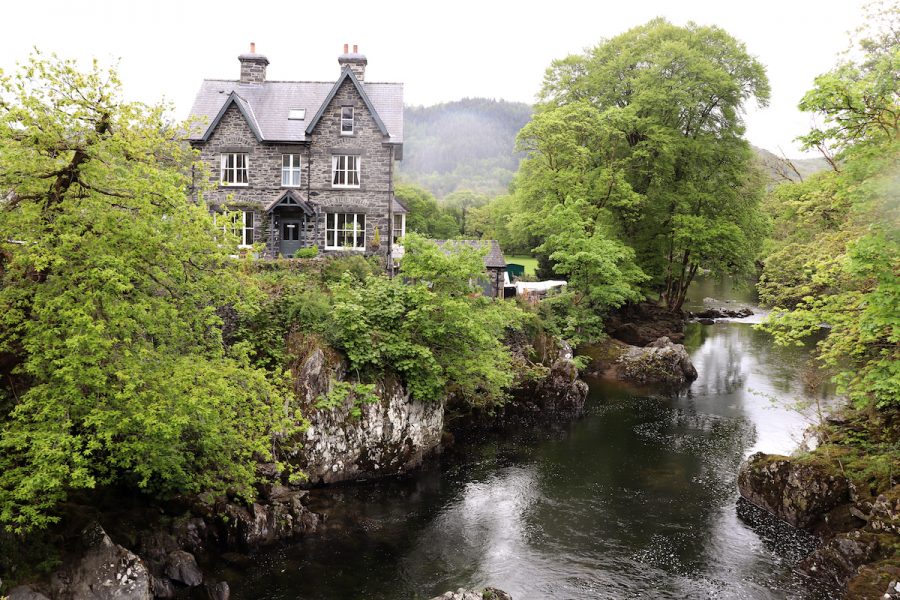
[[290, 236]]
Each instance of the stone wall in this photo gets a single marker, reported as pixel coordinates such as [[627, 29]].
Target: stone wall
[[233, 134]]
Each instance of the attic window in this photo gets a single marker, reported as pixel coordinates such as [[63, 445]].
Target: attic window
[[297, 114]]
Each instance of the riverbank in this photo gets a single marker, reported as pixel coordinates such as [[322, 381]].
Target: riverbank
[[846, 492]]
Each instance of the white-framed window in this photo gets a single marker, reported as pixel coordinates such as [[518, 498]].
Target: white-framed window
[[399, 229], [290, 170], [346, 120], [345, 231], [242, 225], [245, 228], [234, 169], [297, 114], [345, 171]]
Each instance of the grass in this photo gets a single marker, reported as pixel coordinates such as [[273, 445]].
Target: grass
[[528, 262]]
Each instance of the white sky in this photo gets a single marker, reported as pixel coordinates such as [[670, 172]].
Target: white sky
[[440, 51]]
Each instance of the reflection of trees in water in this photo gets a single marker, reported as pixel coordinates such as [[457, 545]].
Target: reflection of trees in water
[[720, 361]]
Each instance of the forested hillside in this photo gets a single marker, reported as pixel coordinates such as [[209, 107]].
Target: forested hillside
[[463, 145]]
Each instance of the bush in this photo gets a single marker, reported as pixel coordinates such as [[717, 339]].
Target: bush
[[310, 252]]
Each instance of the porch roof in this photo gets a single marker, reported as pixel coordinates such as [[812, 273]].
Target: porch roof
[[291, 199]]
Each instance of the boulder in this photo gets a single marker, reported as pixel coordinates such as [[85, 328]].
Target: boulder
[[282, 516], [218, 590], [488, 593], [841, 557], [25, 592], [640, 324], [660, 362], [182, 567], [801, 494], [721, 313], [105, 571]]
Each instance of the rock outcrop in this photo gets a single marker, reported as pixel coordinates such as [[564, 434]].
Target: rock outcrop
[[105, 571], [662, 362], [721, 313], [861, 537], [388, 437], [801, 494], [557, 396], [643, 323], [279, 515], [488, 593]]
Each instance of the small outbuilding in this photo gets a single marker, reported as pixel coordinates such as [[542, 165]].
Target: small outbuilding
[[494, 262]]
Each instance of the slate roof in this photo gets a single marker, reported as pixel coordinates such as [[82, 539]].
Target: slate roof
[[494, 259], [268, 103]]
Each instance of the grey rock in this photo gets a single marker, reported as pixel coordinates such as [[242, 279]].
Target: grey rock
[[182, 567], [487, 593], [800, 494], [105, 571], [391, 436], [283, 517], [25, 592], [660, 362], [218, 590], [163, 587]]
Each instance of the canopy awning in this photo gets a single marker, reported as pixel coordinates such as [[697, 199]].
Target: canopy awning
[[291, 199]]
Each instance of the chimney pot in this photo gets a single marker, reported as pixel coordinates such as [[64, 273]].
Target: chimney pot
[[355, 49], [346, 48], [252, 47]]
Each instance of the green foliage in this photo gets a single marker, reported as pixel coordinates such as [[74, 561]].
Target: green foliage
[[638, 141], [109, 283], [425, 214], [835, 258], [467, 144], [342, 391], [310, 252]]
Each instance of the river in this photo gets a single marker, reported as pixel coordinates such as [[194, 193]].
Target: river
[[635, 500]]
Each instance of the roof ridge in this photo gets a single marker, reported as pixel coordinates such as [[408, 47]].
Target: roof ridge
[[301, 81]]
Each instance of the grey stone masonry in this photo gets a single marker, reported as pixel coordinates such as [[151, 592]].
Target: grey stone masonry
[[253, 68], [374, 151]]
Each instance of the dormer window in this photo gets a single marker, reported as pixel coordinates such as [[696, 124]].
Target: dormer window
[[346, 120], [297, 114], [234, 169]]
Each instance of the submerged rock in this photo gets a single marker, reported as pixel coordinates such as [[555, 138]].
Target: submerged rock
[[801, 494], [105, 571], [660, 362], [182, 567], [487, 593]]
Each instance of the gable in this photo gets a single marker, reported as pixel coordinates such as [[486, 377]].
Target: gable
[[346, 80], [235, 104], [231, 129]]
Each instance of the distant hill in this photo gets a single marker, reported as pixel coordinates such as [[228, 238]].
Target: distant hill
[[779, 169], [468, 144]]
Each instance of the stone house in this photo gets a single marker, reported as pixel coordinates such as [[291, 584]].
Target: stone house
[[307, 163]]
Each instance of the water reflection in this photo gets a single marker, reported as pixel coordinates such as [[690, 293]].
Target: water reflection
[[635, 500]]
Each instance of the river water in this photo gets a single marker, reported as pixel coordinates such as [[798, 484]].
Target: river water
[[635, 500]]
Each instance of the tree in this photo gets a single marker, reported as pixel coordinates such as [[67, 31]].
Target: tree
[[643, 135], [835, 258], [425, 214], [114, 369]]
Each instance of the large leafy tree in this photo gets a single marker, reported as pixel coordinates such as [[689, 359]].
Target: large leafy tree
[[835, 257], [641, 138], [111, 355]]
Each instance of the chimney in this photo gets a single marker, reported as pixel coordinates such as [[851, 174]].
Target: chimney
[[253, 66], [354, 61]]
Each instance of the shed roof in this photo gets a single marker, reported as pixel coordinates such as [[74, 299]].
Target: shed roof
[[494, 258]]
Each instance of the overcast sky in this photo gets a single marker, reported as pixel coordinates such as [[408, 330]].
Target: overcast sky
[[441, 51]]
